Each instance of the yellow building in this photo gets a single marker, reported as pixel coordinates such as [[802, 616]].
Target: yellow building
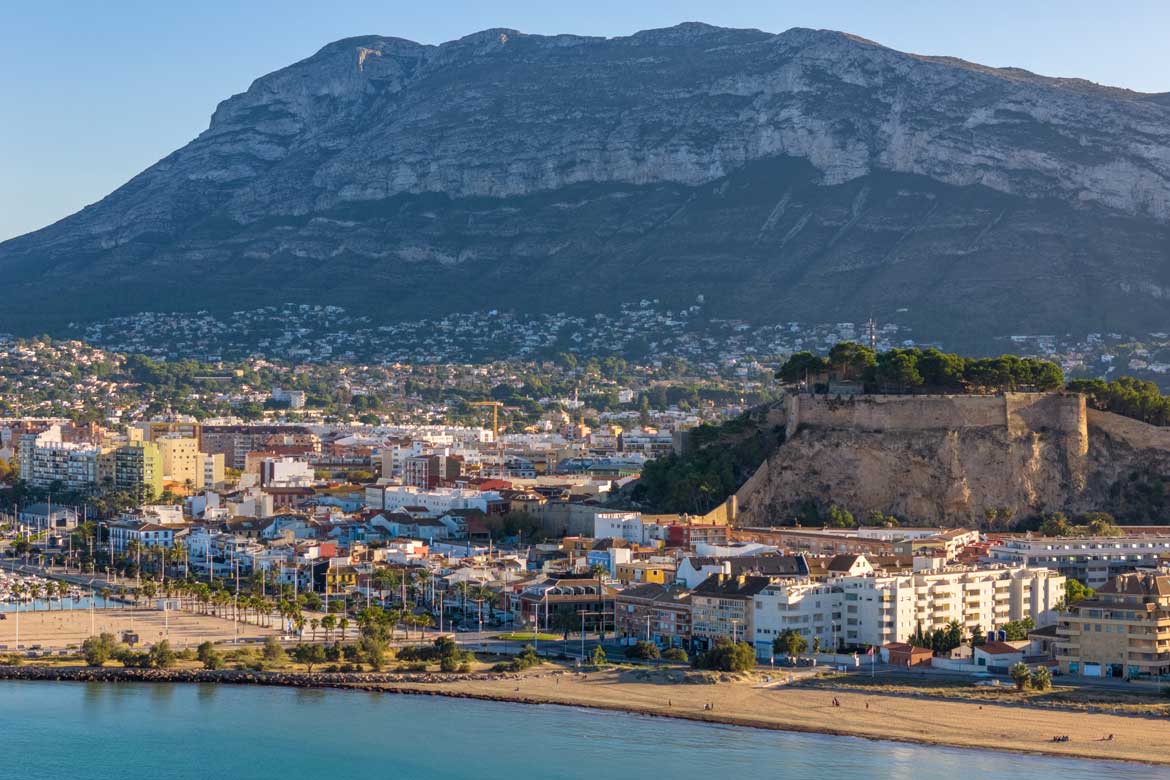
[[1122, 631], [182, 461], [640, 572], [340, 579]]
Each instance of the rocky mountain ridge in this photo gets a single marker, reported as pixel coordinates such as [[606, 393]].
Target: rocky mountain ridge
[[803, 175]]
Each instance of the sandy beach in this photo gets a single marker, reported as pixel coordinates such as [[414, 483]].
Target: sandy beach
[[963, 724], [59, 629]]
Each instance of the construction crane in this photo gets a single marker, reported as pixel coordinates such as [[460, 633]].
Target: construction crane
[[495, 405]]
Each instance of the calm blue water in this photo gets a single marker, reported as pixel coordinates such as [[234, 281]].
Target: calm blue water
[[59, 604], [55, 731]]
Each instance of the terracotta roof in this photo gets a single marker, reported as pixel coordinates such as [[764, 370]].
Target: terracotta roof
[[999, 648]]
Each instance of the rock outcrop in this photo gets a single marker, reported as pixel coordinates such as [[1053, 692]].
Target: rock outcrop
[[958, 460], [803, 175]]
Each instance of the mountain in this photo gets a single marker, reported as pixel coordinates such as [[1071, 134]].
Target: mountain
[[803, 176]]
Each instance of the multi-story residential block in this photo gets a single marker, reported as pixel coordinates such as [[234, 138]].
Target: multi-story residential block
[[285, 472], [557, 603], [234, 442], [71, 466], [1123, 631], [654, 613], [878, 608], [437, 501], [182, 462], [941, 542], [619, 525], [137, 469], [427, 471], [213, 469], [153, 430], [723, 606], [1092, 560]]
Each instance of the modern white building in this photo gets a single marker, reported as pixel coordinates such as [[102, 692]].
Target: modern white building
[[286, 472], [875, 609], [437, 501], [46, 459], [619, 525], [1092, 560]]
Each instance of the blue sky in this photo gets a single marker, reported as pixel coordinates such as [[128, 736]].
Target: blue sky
[[92, 93]]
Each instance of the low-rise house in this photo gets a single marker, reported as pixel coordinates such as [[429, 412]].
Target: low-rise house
[[905, 654], [1000, 656]]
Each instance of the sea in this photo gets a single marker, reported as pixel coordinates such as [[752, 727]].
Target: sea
[[56, 605], [95, 731]]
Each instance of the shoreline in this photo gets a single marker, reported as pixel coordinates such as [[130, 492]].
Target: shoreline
[[507, 688]]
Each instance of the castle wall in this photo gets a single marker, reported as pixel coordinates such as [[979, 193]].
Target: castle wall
[[1021, 413], [1136, 434]]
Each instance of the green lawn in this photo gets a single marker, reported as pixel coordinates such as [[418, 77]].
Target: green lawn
[[528, 636]]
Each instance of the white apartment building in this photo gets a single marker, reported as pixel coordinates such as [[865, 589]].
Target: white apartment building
[[286, 472], [619, 525], [857, 611], [1092, 560], [437, 501], [45, 459], [213, 470]]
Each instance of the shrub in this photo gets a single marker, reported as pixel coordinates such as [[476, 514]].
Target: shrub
[[372, 650], [675, 654], [727, 656], [134, 659], [162, 656], [417, 666], [1020, 675], [597, 657], [99, 649], [309, 655], [1041, 678], [645, 651], [274, 652]]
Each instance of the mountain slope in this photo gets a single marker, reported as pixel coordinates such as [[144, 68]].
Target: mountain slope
[[809, 175]]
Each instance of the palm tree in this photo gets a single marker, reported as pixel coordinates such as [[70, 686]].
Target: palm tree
[[424, 577], [480, 594], [344, 625], [463, 589], [329, 622], [313, 623]]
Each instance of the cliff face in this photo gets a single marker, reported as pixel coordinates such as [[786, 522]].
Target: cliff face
[[808, 175], [959, 460]]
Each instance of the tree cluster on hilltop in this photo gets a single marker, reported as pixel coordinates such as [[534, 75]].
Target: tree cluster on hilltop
[[1126, 396], [913, 369]]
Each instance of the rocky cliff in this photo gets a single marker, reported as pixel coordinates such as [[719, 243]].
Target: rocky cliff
[[803, 175], [960, 460]]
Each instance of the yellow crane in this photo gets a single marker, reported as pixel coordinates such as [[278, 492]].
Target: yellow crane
[[495, 405]]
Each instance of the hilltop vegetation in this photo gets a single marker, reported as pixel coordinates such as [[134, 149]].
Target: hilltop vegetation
[[723, 458], [1126, 396], [920, 370], [719, 460]]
